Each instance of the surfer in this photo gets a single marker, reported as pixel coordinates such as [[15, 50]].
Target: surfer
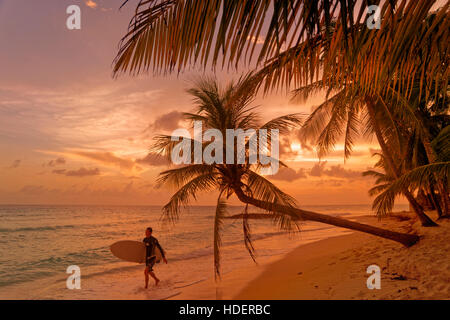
[[150, 258]]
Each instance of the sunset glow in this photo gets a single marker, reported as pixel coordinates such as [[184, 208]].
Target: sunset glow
[[103, 127]]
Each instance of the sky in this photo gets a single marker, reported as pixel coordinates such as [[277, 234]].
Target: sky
[[71, 134]]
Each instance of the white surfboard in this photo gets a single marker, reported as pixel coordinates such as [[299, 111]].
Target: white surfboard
[[132, 251]]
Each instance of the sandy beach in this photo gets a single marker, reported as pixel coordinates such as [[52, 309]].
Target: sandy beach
[[335, 268]]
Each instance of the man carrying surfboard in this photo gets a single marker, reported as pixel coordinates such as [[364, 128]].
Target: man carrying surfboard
[[151, 245]]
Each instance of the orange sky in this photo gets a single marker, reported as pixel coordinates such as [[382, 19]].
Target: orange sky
[[70, 134]]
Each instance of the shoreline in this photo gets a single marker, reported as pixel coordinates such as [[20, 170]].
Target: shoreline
[[335, 268], [235, 280]]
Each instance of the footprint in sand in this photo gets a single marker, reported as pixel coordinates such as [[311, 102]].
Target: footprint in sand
[[140, 289]]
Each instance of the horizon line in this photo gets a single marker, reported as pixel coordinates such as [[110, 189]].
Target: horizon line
[[161, 205]]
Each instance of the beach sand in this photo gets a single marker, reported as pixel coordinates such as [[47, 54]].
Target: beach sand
[[335, 268]]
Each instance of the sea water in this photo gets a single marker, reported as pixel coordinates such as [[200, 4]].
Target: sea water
[[39, 243]]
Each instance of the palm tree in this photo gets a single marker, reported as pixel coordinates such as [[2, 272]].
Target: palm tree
[[342, 115], [421, 177], [231, 108], [304, 40], [396, 122], [430, 122]]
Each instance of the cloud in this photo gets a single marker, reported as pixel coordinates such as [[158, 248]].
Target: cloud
[[354, 153], [108, 158], [133, 178], [59, 171], [169, 122], [33, 190], [82, 172], [153, 160], [329, 183], [55, 162], [91, 4], [286, 149], [15, 164], [147, 186], [303, 148], [289, 174], [89, 193], [97, 117], [319, 170]]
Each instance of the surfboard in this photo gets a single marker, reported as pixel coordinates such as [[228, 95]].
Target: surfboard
[[132, 251]]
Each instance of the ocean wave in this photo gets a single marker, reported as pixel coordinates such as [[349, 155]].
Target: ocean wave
[[60, 227], [47, 228], [24, 277]]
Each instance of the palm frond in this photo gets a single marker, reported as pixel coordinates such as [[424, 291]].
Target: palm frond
[[247, 234], [351, 131], [316, 121], [179, 176], [333, 129], [441, 144], [379, 188], [418, 177], [264, 190], [302, 40], [284, 124], [188, 191], [165, 146], [303, 93]]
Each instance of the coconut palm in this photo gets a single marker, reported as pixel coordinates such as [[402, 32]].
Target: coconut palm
[[231, 108], [343, 113], [429, 121], [403, 129], [419, 178]]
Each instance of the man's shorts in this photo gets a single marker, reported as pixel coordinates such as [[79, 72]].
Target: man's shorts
[[150, 262]]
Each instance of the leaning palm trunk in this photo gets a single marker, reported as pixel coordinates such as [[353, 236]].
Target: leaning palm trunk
[[424, 219], [404, 238]]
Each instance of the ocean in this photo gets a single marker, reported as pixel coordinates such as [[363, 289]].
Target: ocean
[[39, 243]]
